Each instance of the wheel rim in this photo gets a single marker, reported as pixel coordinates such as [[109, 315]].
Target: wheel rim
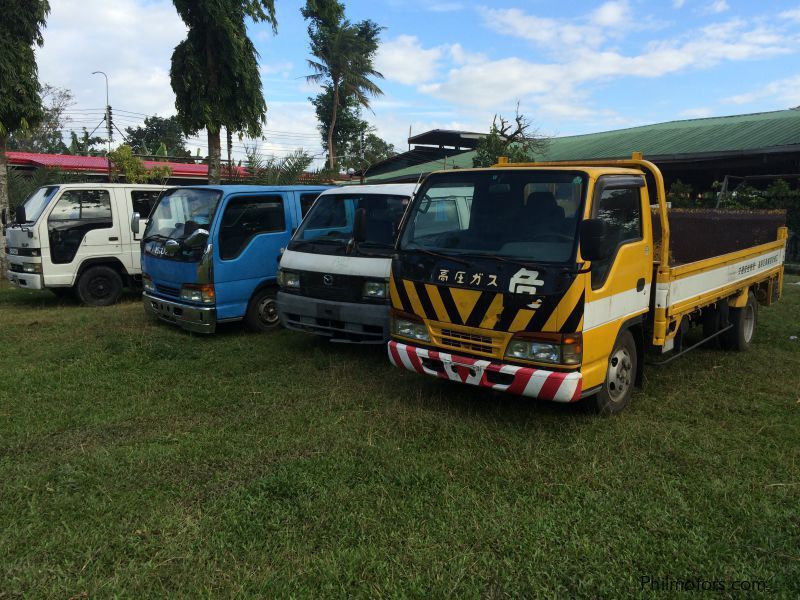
[[100, 288], [268, 311], [748, 323], [620, 374]]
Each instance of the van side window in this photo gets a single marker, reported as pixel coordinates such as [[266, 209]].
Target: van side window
[[246, 217], [143, 201], [306, 202], [83, 205], [621, 209]]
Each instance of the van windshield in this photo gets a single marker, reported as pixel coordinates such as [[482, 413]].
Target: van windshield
[[518, 214], [181, 207], [35, 203], [330, 221]]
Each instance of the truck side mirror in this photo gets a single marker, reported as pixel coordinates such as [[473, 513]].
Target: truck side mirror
[[594, 240], [19, 215], [360, 225], [135, 217], [197, 238]]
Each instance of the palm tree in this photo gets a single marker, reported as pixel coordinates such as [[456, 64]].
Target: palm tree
[[343, 58]]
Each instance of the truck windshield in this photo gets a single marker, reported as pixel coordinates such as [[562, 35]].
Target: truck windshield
[[37, 201], [519, 214], [180, 207], [330, 220]]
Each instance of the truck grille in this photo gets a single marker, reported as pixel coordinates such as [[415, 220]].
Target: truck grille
[[464, 339], [168, 290], [16, 268]]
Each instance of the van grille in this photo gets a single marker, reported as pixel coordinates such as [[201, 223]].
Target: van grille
[[168, 290]]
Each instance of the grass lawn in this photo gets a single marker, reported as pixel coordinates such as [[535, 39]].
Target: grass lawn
[[138, 460]]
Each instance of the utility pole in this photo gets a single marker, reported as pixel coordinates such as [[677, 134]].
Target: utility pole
[[109, 126]]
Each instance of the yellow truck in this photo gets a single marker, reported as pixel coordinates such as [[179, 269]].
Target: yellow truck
[[552, 280]]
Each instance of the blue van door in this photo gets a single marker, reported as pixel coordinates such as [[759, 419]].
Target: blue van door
[[249, 238]]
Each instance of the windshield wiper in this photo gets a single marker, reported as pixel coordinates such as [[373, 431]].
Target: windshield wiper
[[438, 255]]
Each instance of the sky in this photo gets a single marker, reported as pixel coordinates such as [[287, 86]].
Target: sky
[[573, 67]]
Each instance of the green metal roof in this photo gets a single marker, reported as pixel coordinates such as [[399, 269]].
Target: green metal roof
[[756, 132]]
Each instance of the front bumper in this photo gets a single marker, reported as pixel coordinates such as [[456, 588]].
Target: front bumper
[[200, 319], [26, 281], [353, 322], [522, 381]]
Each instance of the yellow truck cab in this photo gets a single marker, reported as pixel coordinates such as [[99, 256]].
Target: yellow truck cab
[[551, 280]]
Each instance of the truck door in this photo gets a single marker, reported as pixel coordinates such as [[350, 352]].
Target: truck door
[[251, 232], [82, 224], [142, 202], [618, 288]]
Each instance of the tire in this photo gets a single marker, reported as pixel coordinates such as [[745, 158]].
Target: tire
[[715, 317], [744, 321], [99, 286], [262, 312], [617, 389], [63, 293]]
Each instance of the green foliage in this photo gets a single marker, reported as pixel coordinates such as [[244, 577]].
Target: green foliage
[[22, 184], [21, 23], [132, 168], [158, 131], [343, 55], [517, 141], [85, 145], [215, 73], [46, 137], [289, 170]]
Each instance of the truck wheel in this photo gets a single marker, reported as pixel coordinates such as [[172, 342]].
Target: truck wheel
[[615, 394], [744, 320], [99, 286], [262, 312]]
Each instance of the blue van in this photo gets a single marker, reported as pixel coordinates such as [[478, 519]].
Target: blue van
[[210, 253]]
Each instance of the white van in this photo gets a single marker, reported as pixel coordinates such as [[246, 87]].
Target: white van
[[331, 283], [77, 238]]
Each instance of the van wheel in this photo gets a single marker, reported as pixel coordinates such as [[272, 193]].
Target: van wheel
[[744, 320], [615, 394], [99, 286], [262, 312]]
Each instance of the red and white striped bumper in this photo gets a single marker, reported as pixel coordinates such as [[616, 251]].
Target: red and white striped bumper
[[523, 381]]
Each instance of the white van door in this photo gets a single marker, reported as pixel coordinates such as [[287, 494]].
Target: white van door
[[139, 201]]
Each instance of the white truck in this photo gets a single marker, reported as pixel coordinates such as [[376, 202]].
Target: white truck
[[334, 274], [77, 238]]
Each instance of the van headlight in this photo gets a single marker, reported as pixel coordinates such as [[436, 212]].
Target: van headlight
[[201, 294], [288, 279], [404, 326], [553, 348], [375, 290], [31, 267], [147, 283]]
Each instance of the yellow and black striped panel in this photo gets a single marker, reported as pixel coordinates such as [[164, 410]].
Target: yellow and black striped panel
[[488, 309]]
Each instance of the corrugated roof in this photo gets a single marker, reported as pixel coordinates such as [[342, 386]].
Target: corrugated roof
[[756, 132]]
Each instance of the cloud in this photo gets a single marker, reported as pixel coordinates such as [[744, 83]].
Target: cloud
[[784, 93], [283, 69], [716, 7], [701, 112], [678, 3], [791, 15], [612, 14], [131, 42], [404, 60]]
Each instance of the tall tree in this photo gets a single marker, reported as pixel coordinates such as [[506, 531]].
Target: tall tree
[[47, 136], [156, 131], [519, 141], [215, 74], [343, 59], [21, 27]]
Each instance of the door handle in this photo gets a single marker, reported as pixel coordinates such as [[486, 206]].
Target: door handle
[[640, 285], [113, 239]]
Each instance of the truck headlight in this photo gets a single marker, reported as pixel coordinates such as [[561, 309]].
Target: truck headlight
[[201, 294], [375, 290], [288, 279], [547, 348], [31, 267], [404, 326], [147, 283]]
